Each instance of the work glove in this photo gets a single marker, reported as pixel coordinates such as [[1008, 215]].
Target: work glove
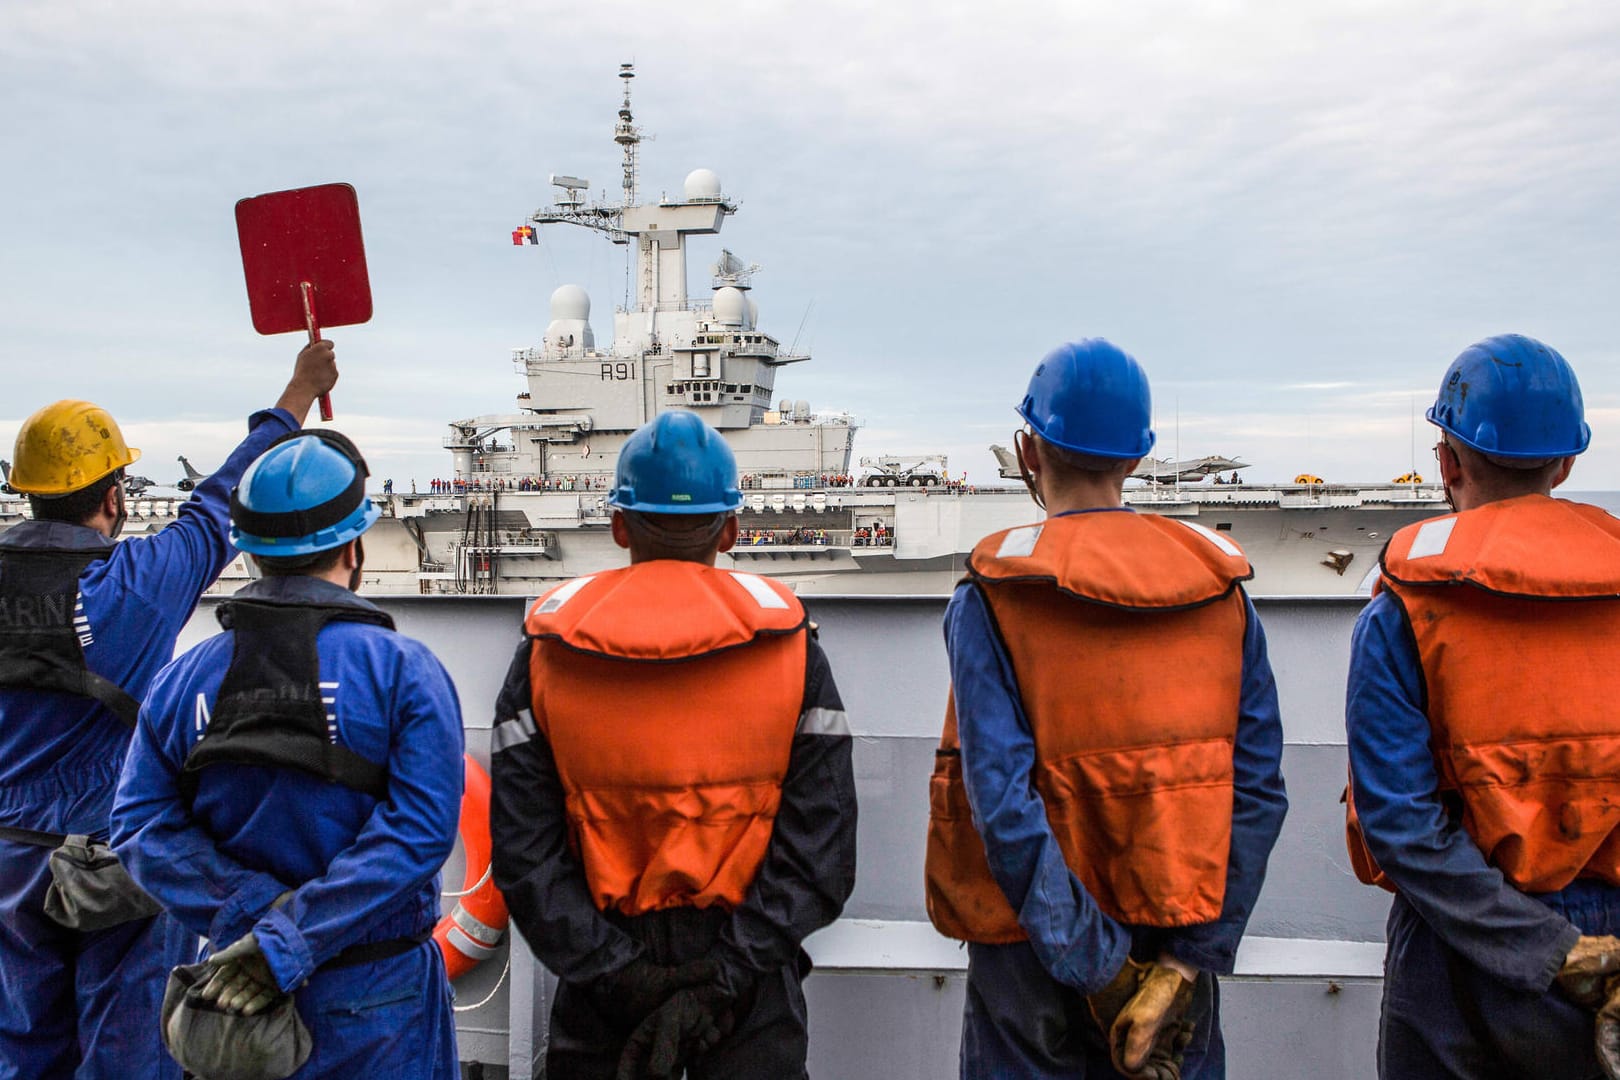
[[1107, 1003], [1151, 1033], [1587, 969], [632, 992], [691, 1023], [238, 978], [1606, 1037]]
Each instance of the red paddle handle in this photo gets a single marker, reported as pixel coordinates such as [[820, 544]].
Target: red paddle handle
[[314, 328]]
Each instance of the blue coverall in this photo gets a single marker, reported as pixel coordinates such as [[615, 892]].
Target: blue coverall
[[75, 1003], [1470, 959], [364, 871], [1025, 1014]]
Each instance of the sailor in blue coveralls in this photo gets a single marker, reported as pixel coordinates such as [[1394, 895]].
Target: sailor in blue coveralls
[[1040, 1006], [1483, 735], [295, 782], [85, 624]]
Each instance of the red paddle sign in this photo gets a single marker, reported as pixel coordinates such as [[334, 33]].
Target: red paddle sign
[[304, 261]]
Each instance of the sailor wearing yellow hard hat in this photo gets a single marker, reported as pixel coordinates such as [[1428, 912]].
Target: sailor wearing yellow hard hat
[[85, 624]]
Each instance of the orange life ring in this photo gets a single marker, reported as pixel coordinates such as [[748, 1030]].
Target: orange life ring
[[473, 929]]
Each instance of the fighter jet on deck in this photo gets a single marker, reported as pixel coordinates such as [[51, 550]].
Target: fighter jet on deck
[[1164, 471], [192, 477], [1161, 470]]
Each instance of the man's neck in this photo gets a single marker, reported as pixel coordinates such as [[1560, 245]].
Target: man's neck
[[1085, 491]]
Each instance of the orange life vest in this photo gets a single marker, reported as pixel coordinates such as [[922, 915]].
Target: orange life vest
[[670, 693], [1125, 632], [1515, 610]]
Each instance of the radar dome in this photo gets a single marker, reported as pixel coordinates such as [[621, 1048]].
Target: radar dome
[[702, 184], [730, 306], [753, 314], [570, 302]]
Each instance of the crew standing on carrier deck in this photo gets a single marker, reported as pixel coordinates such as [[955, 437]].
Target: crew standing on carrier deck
[[1108, 788], [1484, 736], [85, 624], [674, 803], [294, 787]]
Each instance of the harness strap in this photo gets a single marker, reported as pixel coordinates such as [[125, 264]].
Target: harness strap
[[33, 836]]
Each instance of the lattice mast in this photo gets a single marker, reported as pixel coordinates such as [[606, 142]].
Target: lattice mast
[[628, 135]]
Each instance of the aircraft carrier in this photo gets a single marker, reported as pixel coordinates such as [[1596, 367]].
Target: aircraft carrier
[[524, 501]]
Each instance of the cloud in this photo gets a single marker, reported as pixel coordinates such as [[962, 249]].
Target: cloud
[[1293, 214]]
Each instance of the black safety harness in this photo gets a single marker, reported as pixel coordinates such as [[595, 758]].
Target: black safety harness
[[268, 710], [40, 646]]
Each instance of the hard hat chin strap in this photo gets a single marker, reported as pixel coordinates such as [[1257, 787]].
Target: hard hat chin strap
[[122, 516]]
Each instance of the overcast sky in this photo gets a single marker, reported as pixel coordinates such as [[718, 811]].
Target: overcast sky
[[1293, 214]]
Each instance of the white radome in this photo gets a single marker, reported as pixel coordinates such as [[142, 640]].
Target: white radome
[[730, 306], [702, 184], [570, 302]]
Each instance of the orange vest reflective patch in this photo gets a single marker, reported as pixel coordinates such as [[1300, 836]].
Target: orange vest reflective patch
[[670, 693], [1515, 610], [1135, 769]]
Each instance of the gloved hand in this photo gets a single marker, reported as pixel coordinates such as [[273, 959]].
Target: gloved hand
[[1149, 1035], [240, 980], [635, 990], [1587, 969], [1606, 1036], [692, 1022], [1106, 1004]]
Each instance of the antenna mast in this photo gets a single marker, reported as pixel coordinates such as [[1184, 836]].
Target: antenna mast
[[627, 135]]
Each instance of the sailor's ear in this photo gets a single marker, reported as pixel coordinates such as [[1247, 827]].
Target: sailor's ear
[[728, 534], [621, 531], [1562, 474]]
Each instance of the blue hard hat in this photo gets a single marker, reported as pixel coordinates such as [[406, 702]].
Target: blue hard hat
[[305, 494], [1511, 396], [1091, 397], [676, 465]]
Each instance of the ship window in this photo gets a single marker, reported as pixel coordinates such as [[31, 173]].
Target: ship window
[[1223, 526]]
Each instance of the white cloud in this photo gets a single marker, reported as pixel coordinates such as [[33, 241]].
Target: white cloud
[[1294, 214]]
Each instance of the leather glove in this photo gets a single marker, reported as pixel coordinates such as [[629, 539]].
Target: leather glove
[[239, 979], [1150, 1034], [631, 993], [688, 1025], [1606, 1038], [1587, 969], [1107, 1003]]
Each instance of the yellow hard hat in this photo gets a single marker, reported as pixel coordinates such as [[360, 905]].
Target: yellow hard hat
[[68, 446]]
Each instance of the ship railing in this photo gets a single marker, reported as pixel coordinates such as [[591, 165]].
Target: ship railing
[[698, 306], [750, 538]]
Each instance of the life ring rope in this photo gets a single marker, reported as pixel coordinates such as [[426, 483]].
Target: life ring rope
[[472, 931]]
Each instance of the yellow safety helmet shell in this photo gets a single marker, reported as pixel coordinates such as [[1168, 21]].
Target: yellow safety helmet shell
[[68, 446]]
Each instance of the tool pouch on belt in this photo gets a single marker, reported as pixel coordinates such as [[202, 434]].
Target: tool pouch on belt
[[91, 890], [212, 1044]]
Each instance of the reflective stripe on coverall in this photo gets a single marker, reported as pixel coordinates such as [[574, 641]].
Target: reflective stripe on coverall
[[1025, 1014], [806, 874], [364, 871], [66, 997]]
